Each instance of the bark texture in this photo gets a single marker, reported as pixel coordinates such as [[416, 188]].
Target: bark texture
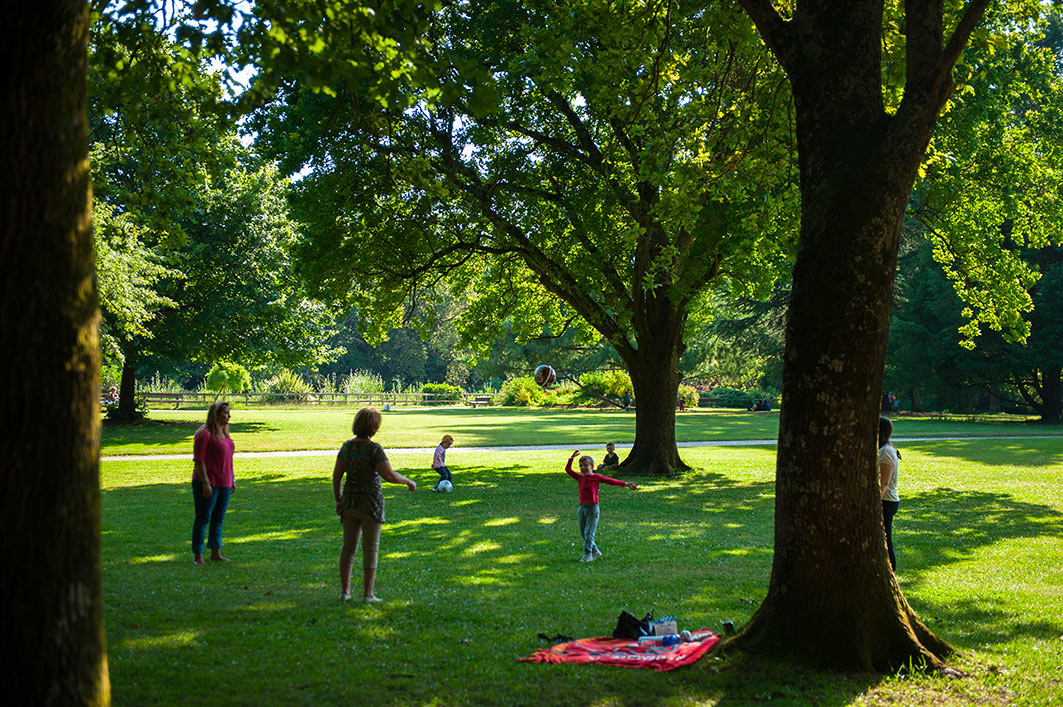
[[51, 499], [655, 378], [833, 600]]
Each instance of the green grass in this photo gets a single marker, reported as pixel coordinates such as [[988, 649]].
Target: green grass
[[471, 577], [274, 429]]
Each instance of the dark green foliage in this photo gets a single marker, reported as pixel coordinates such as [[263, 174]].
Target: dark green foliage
[[728, 398]]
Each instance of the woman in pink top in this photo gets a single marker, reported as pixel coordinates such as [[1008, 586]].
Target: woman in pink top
[[588, 501], [212, 481]]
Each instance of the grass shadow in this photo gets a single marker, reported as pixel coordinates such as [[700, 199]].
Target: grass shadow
[[471, 577]]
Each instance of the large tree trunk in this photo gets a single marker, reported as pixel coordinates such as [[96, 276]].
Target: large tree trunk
[[127, 389], [51, 499], [655, 378], [833, 600], [994, 398], [917, 399], [1052, 393]]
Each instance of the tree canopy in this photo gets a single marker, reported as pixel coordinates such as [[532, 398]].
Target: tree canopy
[[578, 165]]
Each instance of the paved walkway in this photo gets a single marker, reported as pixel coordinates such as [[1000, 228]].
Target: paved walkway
[[540, 448]]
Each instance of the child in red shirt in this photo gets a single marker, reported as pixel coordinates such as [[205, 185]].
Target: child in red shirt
[[588, 501]]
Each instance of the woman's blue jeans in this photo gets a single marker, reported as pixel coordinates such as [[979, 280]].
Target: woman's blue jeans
[[209, 512], [588, 525]]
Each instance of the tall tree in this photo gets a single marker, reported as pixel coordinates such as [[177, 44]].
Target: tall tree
[[833, 599], [50, 349], [598, 165]]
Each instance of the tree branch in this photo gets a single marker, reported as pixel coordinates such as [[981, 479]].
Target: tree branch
[[771, 26]]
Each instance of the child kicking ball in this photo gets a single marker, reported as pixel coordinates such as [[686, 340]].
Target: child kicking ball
[[588, 482]]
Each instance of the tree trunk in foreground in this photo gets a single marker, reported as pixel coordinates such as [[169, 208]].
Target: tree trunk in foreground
[[51, 498], [833, 600]]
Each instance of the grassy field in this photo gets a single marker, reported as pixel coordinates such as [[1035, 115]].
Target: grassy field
[[470, 578], [274, 429]]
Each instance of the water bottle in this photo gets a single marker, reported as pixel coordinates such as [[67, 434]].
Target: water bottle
[[665, 640]]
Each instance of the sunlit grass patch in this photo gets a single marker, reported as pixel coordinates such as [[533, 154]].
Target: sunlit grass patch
[[471, 578]]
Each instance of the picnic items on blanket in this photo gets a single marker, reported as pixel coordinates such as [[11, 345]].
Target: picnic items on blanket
[[628, 653], [664, 626], [627, 626]]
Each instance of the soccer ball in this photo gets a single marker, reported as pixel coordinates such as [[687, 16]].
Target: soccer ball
[[544, 375], [445, 486]]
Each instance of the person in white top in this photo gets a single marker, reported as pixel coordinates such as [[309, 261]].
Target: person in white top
[[888, 465]]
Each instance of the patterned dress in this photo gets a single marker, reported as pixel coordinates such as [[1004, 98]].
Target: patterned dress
[[361, 490]]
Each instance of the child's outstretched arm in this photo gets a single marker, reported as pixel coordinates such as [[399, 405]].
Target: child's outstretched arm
[[568, 466]]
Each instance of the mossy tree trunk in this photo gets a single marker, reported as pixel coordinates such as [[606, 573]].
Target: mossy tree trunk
[[833, 600], [51, 498]]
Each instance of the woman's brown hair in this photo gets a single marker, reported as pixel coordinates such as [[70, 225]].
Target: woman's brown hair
[[366, 422]]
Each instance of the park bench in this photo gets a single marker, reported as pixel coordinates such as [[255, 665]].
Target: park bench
[[478, 400]]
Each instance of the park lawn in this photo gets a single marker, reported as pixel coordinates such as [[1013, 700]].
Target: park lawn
[[471, 577], [305, 428]]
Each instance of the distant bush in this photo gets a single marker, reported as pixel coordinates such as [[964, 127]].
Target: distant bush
[[229, 377], [159, 383], [361, 382], [522, 391], [565, 395], [443, 392], [610, 384], [286, 386], [688, 395], [729, 398]]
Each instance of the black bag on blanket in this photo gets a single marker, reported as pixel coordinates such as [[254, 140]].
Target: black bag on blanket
[[627, 626]]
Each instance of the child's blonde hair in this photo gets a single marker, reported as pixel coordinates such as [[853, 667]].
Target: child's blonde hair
[[447, 438]]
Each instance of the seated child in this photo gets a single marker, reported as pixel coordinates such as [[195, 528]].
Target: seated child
[[611, 460]]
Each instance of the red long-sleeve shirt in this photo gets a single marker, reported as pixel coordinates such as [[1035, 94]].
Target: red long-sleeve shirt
[[588, 483]]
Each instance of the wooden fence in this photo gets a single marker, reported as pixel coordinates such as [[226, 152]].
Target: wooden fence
[[157, 400]]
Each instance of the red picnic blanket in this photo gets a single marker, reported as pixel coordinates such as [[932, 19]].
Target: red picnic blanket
[[626, 653]]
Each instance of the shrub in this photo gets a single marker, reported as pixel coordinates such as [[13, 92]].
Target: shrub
[[159, 383], [566, 395], [443, 393], [361, 382], [688, 395], [228, 376], [611, 384], [286, 386], [730, 398], [522, 391]]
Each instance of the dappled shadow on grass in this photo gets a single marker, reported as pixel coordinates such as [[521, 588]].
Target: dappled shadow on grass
[[493, 564], [168, 434], [1038, 452], [470, 577], [945, 525], [975, 623]]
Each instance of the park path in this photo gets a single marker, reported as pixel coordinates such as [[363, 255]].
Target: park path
[[542, 448]]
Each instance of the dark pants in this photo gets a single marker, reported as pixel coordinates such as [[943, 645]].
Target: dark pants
[[889, 509], [209, 511], [444, 475]]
